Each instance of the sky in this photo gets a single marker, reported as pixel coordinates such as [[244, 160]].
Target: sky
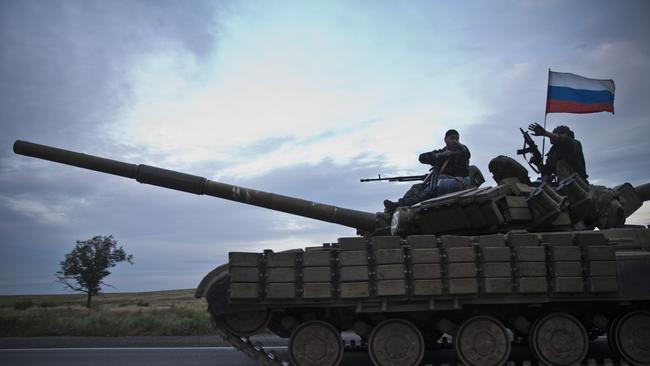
[[299, 98]]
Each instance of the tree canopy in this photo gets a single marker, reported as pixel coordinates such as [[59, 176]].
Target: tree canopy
[[86, 266]]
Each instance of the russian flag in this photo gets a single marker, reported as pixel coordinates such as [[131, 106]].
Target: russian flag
[[571, 93]]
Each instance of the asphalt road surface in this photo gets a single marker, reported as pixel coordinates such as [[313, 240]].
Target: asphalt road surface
[[224, 356], [124, 357]]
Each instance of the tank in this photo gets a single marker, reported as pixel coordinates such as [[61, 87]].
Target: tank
[[549, 265]]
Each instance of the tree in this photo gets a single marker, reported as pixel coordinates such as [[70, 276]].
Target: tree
[[85, 267]]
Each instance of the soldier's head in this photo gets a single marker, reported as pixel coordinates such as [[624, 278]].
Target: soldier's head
[[563, 130], [451, 139]]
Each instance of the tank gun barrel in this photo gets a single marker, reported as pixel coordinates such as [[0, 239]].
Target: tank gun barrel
[[198, 185]]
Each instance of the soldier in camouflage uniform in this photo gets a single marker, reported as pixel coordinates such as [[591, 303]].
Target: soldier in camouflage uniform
[[565, 156], [451, 173]]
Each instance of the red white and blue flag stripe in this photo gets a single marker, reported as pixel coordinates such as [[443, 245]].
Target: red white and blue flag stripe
[[571, 93]]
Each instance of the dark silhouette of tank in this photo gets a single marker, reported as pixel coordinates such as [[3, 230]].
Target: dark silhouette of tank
[[488, 266]]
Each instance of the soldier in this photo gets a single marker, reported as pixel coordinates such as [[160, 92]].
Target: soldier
[[565, 156], [450, 167]]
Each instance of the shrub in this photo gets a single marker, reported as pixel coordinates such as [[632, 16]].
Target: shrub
[[110, 316], [142, 303], [22, 305]]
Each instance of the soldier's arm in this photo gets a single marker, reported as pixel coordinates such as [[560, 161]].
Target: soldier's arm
[[436, 157], [430, 157], [538, 130], [464, 151]]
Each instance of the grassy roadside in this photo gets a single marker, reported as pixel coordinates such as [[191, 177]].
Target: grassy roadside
[[174, 312]]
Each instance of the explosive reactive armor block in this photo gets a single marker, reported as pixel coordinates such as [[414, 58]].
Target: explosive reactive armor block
[[355, 268]]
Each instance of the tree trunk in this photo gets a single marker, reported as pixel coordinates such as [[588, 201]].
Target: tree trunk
[[88, 297]]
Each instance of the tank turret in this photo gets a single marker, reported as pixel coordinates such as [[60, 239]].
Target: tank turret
[[572, 204]]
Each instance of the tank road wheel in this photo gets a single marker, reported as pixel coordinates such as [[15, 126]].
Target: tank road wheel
[[315, 343], [482, 341], [246, 323], [559, 339], [631, 337], [396, 342], [611, 334]]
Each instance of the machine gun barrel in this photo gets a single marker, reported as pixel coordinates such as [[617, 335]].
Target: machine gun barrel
[[147, 174], [403, 178]]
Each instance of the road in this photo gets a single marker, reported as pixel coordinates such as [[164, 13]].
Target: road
[[186, 356], [217, 356]]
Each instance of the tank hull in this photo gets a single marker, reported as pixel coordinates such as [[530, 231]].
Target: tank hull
[[444, 285]]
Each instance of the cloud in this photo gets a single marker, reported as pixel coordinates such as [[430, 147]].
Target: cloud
[[292, 225], [517, 71], [322, 93], [46, 214], [300, 99], [622, 56]]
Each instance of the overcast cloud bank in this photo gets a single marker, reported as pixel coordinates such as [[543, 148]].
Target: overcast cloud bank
[[297, 98]]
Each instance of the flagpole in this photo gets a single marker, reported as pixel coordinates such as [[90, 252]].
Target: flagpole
[[543, 139], [546, 111]]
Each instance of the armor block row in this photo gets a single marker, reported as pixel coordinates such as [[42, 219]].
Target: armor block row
[[425, 265]]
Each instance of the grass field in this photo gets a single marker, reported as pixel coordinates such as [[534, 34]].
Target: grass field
[[174, 312]]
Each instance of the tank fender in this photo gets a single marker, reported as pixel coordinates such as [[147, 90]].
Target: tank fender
[[216, 275], [215, 288]]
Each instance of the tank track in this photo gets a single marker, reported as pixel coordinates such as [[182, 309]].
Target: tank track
[[253, 350], [256, 352]]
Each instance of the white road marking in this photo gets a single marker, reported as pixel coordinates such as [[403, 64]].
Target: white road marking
[[123, 348]]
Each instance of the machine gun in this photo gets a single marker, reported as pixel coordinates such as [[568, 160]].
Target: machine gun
[[404, 178], [433, 173], [536, 161]]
